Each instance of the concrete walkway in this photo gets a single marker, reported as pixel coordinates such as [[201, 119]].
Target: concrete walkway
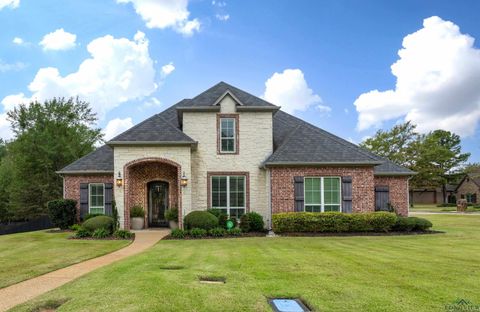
[[19, 293]]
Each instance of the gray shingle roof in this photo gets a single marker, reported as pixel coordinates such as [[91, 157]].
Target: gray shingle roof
[[100, 160], [153, 129], [210, 96], [294, 140]]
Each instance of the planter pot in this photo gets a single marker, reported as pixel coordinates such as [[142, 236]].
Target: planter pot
[[173, 225], [137, 223]]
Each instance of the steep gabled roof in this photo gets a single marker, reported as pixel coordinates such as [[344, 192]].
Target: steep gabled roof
[[211, 96], [155, 129], [295, 141], [98, 161]]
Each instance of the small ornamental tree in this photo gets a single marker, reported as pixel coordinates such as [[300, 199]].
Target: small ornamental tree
[[62, 212]]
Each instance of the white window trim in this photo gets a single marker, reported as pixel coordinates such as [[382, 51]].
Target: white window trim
[[322, 190], [90, 197], [228, 138], [228, 193]]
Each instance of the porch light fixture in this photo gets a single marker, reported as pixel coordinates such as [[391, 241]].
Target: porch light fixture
[[119, 180], [184, 180]]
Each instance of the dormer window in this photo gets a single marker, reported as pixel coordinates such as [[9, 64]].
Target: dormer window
[[228, 134]]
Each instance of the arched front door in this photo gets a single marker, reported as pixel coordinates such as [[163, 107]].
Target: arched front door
[[157, 203]]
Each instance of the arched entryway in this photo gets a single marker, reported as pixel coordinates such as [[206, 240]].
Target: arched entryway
[[154, 184]]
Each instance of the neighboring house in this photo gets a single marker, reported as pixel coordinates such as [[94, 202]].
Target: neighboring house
[[432, 195], [469, 188], [231, 150]]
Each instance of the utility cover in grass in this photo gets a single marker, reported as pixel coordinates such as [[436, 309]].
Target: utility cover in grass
[[287, 305]]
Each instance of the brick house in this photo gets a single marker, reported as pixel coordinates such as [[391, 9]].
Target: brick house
[[230, 150], [469, 188]]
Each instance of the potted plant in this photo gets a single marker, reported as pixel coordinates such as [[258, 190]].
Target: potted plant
[[137, 217], [171, 215]]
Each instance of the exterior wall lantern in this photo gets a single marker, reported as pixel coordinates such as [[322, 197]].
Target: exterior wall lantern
[[184, 180], [119, 180]]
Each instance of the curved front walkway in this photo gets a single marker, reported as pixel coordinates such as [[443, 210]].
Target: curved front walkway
[[29, 289]]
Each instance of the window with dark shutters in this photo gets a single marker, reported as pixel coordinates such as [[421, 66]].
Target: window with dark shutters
[[108, 198], [347, 194], [298, 191], [83, 199]]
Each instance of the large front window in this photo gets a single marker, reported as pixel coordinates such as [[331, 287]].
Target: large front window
[[228, 194], [322, 194], [227, 135], [97, 198]]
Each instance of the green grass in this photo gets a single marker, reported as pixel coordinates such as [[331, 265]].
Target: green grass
[[383, 273], [26, 255], [434, 208]]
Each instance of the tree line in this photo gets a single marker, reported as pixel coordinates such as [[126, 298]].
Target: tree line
[[436, 156], [47, 137]]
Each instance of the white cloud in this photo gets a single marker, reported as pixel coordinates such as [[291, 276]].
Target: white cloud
[[117, 71], [117, 126], [290, 90], [58, 40], [12, 4], [167, 69], [223, 17], [437, 83], [324, 109], [18, 41], [166, 14], [17, 66]]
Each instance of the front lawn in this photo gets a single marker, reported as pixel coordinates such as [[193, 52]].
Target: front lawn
[[26, 255], [368, 273]]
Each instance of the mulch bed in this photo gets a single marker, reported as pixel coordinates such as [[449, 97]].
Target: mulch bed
[[311, 234], [106, 238], [243, 235]]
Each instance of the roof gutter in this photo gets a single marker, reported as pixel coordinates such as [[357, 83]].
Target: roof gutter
[[383, 174], [336, 164]]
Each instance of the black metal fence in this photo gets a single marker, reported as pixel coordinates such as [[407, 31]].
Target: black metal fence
[[38, 223]]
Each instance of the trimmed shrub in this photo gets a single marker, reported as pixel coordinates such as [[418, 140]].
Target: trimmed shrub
[[244, 223], [137, 212], [200, 219], [331, 222], [123, 234], [82, 232], [178, 233], [222, 220], [91, 215], [100, 222], [252, 221], [217, 232], [216, 212], [234, 232], [75, 227], [62, 212], [100, 233], [408, 224], [171, 214], [198, 233]]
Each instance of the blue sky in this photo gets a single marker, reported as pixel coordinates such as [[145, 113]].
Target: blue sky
[[321, 58]]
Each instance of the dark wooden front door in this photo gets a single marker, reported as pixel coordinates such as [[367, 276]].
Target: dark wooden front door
[[157, 203]]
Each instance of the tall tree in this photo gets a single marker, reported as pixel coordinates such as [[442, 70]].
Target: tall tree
[[48, 136], [397, 144], [440, 153]]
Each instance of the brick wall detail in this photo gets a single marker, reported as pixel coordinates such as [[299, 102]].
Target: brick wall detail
[[398, 192], [282, 187], [71, 186]]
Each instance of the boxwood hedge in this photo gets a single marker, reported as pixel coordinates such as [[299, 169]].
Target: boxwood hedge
[[333, 222]]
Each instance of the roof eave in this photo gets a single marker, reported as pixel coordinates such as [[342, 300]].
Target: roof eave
[[193, 144], [303, 163], [257, 108], [79, 172], [380, 174]]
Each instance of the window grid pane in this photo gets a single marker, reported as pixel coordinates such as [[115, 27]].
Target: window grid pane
[[219, 192], [228, 193], [227, 134], [97, 204], [312, 191]]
